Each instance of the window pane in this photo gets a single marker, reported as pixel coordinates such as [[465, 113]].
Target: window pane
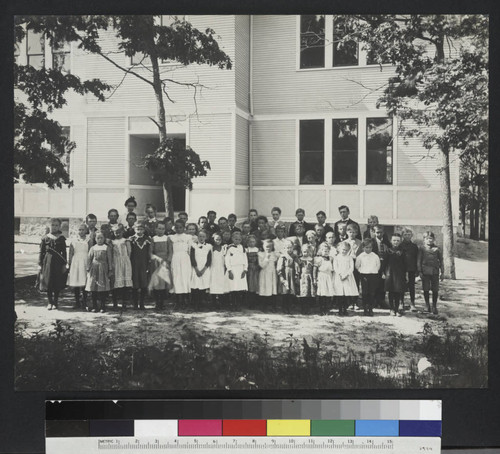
[[312, 41], [379, 151], [345, 151], [60, 61], [312, 133], [344, 53], [37, 61], [35, 43]]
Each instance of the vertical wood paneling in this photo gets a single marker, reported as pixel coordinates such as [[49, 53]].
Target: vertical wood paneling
[[242, 156], [105, 150], [242, 62], [210, 137], [273, 153]]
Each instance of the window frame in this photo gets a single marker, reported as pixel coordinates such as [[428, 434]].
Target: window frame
[[333, 183], [361, 117], [42, 53], [362, 52], [393, 152], [300, 152]]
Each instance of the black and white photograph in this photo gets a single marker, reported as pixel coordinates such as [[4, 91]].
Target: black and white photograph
[[251, 202]]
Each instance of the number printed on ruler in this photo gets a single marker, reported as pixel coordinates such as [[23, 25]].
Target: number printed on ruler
[[352, 445]]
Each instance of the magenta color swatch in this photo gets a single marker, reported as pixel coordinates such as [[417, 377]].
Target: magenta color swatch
[[199, 427]]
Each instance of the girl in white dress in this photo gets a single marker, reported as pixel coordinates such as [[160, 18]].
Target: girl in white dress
[[122, 266], [323, 276], [179, 246], [268, 277], [201, 259], [219, 282], [237, 267], [344, 284], [78, 256]]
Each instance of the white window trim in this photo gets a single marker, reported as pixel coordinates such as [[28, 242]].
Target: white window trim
[[328, 177], [362, 54]]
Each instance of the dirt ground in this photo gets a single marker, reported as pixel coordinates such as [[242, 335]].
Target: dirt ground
[[463, 305]]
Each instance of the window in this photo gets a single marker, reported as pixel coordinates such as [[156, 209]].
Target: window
[[345, 53], [345, 151], [377, 56], [35, 49], [17, 52], [312, 133], [61, 57], [138, 57], [312, 41], [379, 151]]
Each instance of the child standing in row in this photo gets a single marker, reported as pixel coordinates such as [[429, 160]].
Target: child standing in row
[[395, 275], [52, 263], [253, 266], [288, 274], [344, 284], [306, 273], [180, 262], [237, 267], [410, 250], [78, 256], [324, 278], [140, 257], [431, 269], [100, 269], [268, 278], [368, 266], [201, 260], [219, 282], [159, 256], [122, 266]]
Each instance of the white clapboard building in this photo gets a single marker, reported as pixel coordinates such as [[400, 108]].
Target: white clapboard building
[[286, 127]]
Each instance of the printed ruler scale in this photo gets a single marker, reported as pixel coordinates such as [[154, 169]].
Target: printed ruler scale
[[92, 427]]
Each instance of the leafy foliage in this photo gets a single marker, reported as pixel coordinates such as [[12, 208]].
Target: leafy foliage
[[40, 142]]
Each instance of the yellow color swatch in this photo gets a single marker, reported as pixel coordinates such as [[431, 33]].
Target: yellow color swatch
[[288, 427]]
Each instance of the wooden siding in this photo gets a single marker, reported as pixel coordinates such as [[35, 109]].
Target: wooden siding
[[242, 62], [242, 155], [211, 137], [416, 166], [78, 155], [279, 88], [273, 153], [106, 150], [136, 95]]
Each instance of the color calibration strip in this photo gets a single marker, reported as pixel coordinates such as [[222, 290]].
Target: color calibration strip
[[243, 428]]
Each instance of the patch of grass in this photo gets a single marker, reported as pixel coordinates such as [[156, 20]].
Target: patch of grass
[[64, 360]]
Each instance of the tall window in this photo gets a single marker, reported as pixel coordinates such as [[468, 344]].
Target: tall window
[[312, 151], [61, 57], [35, 49], [345, 53], [312, 41], [379, 150], [345, 151]]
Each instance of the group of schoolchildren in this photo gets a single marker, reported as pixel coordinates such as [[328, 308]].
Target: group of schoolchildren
[[265, 263]]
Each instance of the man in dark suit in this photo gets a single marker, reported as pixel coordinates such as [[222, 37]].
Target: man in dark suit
[[346, 220], [231, 223], [299, 214], [211, 226]]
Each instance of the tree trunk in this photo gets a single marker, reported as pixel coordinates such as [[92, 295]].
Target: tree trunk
[[463, 218], [162, 128], [448, 240]]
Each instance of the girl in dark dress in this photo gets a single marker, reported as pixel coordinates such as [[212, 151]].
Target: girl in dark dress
[[53, 263], [253, 269], [395, 274]]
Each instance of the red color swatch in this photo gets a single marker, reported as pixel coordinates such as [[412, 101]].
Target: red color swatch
[[244, 427]]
